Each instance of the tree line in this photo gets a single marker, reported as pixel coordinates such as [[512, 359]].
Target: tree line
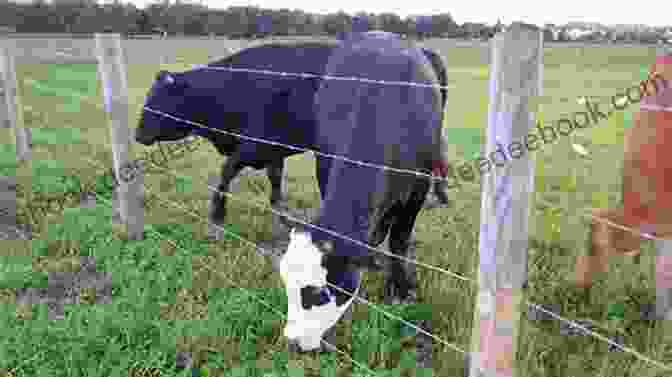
[[87, 16], [190, 19]]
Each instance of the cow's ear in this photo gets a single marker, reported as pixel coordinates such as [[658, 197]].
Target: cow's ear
[[170, 79], [163, 75]]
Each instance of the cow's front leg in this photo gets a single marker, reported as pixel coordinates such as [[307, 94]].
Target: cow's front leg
[[275, 171], [401, 282], [217, 214]]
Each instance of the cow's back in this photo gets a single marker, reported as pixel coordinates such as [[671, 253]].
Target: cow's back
[[265, 104], [295, 58], [384, 124], [391, 114]]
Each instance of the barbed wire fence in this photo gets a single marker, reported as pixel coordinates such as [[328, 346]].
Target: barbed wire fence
[[515, 80]]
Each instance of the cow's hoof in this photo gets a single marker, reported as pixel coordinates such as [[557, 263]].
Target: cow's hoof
[[430, 203], [396, 296]]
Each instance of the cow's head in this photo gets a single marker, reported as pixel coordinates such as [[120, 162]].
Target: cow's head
[[313, 305], [169, 95]]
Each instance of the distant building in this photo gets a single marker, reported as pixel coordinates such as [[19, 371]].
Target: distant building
[[575, 34], [667, 36]]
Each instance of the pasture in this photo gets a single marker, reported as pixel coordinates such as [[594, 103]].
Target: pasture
[[204, 297]]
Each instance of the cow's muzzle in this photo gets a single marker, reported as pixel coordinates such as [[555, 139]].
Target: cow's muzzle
[[141, 138]]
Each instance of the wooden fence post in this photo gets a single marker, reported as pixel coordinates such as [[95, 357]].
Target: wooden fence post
[[663, 260], [4, 118], [112, 73], [13, 109], [514, 84]]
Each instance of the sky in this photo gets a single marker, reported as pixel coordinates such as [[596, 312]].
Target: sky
[[646, 12]]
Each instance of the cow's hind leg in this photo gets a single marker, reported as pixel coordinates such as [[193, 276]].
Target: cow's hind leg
[[400, 282], [230, 170], [440, 188]]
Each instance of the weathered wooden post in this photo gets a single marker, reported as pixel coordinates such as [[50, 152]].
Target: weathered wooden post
[[12, 108], [112, 72], [4, 119], [514, 84]]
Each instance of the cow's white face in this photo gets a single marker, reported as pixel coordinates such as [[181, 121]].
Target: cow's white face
[[304, 278]]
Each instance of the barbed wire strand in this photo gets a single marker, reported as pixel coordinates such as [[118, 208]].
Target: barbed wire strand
[[306, 75], [358, 243], [328, 231], [266, 253], [570, 322], [390, 315], [598, 336], [338, 235], [300, 149], [314, 152], [360, 79], [537, 307], [529, 303], [648, 236], [246, 290], [382, 167], [587, 213]]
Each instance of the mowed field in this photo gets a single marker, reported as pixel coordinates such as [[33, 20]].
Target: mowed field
[[222, 301]]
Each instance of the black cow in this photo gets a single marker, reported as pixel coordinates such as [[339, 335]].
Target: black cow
[[392, 125], [266, 106]]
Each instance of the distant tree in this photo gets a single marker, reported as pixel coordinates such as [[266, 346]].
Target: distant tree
[[335, 23], [361, 23], [391, 22], [474, 30], [443, 25], [39, 17], [144, 23], [423, 26], [196, 24], [499, 27]]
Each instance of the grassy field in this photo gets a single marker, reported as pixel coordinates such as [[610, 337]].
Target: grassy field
[[204, 297]]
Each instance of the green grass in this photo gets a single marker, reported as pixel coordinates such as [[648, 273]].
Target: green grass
[[197, 297]]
